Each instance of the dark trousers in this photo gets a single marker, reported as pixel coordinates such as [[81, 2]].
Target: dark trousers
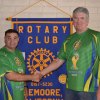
[[77, 95]]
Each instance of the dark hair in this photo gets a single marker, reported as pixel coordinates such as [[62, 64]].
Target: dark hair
[[11, 31]]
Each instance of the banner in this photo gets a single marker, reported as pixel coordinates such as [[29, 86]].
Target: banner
[[40, 41]]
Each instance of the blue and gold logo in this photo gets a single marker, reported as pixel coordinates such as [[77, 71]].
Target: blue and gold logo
[[39, 59], [62, 79]]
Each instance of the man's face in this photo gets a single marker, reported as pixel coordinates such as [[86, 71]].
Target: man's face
[[11, 41], [80, 21]]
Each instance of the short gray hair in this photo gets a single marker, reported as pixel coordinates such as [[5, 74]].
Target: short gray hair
[[81, 9]]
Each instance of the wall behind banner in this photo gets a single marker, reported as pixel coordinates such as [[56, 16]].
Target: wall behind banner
[[42, 10]]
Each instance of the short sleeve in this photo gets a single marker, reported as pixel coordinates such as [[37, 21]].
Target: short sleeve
[[62, 52]]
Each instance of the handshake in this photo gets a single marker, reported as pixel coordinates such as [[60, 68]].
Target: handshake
[[37, 76]]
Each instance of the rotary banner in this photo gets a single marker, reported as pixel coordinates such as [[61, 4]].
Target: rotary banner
[[40, 41]]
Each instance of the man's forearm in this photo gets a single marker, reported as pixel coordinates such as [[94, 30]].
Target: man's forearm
[[53, 66], [13, 76], [98, 93]]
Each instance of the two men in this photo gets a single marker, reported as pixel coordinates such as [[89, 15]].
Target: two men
[[81, 51]]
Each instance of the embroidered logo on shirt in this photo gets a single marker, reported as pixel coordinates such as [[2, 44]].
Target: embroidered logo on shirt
[[77, 44], [17, 60]]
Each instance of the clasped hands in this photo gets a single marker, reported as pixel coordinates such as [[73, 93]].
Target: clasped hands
[[37, 76]]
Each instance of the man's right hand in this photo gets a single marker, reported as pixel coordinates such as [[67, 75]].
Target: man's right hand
[[37, 76]]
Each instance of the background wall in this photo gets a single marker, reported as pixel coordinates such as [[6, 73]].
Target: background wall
[[41, 9]]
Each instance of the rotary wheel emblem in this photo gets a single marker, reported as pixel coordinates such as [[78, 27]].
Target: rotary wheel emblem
[[39, 59]]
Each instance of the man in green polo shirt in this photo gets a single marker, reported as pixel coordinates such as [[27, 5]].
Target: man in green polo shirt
[[81, 51], [12, 69]]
